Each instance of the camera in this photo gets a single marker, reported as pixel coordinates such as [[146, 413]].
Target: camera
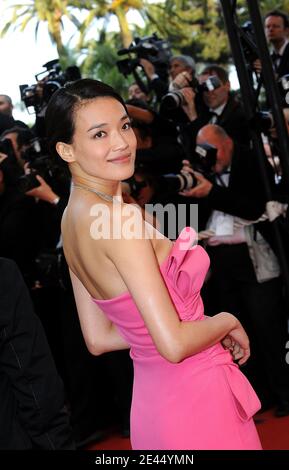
[[175, 99], [151, 48], [39, 164], [247, 38], [39, 94], [33, 152], [32, 155], [203, 161], [180, 182]]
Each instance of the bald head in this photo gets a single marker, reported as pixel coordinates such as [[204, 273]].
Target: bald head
[[212, 132], [217, 137]]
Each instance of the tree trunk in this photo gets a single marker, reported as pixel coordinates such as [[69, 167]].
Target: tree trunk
[[126, 35], [55, 31]]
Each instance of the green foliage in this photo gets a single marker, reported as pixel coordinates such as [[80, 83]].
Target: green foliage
[[100, 63], [267, 5], [194, 27]]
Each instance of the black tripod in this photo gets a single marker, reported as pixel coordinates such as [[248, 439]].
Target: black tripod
[[241, 42]]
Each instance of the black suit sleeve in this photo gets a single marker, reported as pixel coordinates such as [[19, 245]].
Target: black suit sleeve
[[245, 196], [27, 362], [231, 202]]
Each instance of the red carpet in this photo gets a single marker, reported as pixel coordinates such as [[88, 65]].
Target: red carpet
[[273, 432]]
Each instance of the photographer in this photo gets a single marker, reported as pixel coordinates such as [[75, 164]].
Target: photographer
[[6, 108], [20, 140], [136, 93], [181, 70], [152, 54], [19, 235], [40, 178], [276, 31], [39, 94], [208, 100], [235, 284], [222, 108], [154, 156]]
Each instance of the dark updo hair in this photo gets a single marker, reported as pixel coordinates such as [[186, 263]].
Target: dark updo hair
[[60, 112]]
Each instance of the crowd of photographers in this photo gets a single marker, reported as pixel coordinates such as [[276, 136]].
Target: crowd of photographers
[[193, 146]]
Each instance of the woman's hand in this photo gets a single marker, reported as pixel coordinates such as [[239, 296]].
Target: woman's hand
[[234, 348], [237, 342]]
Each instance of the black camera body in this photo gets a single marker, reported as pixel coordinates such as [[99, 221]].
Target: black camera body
[[151, 48], [33, 151], [203, 161], [247, 38], [39, 94], [175, 99], [39, 164], [264, 120]]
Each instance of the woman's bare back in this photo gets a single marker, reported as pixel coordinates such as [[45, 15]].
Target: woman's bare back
[[89, 258]]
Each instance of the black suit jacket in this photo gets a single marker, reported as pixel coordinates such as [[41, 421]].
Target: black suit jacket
[[32, 411], [233, 120], [283, 68], [19, 230], [245, 195]]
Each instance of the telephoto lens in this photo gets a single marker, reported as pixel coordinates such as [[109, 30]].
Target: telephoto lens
[[173, 183], [171, 101]]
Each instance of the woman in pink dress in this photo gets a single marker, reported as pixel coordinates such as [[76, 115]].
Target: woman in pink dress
[[135, 289]]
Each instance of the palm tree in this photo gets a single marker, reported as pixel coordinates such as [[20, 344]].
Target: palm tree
[[104, 9], [48, 11], [52, 12]]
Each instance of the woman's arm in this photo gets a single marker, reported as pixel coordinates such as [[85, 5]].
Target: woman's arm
[[175, 339], [99, 333]]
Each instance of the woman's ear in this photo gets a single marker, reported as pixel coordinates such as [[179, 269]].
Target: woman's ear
[[65, 151]]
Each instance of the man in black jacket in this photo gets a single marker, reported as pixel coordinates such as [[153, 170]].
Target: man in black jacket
[[237, 193], [19, 234], [32, 410], [276, 30], [216, 105], [6, 108]]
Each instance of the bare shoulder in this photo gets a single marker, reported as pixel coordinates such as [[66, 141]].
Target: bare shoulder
[[134, 256], [126, 229]]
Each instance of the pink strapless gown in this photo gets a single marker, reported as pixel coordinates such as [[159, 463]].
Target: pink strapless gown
[[203, 402]]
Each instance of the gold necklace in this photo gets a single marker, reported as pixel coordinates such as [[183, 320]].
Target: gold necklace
[[106, 197]]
